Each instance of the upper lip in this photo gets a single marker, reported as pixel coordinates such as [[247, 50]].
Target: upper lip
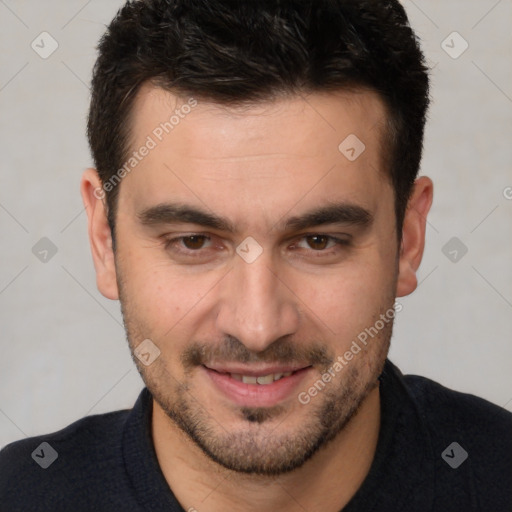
[[255, 370]]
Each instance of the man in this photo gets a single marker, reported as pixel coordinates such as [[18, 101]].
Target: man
[[255, 208]]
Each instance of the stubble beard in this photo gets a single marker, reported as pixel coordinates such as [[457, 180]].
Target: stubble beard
[[262, 444]]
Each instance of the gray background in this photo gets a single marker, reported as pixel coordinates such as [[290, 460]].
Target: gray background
[[63, 349]]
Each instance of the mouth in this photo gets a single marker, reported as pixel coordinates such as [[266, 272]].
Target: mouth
[[262, 380], [256, 386]]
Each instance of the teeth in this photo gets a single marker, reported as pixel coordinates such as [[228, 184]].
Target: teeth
[[262, 379], [265, 379]]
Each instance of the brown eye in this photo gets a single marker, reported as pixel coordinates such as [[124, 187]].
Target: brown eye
[[317, 242], [194, 242]]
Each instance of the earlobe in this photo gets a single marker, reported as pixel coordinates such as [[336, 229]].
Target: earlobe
[[413, 235], [100, 236]]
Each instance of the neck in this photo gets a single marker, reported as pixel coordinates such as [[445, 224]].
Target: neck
[[325, 482]]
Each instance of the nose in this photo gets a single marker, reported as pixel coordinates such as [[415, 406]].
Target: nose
[[256, 307]]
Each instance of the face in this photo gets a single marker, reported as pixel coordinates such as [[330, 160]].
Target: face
[[253, 252]]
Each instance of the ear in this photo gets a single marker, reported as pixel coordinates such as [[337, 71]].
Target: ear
[[100, 236], [413, 235]]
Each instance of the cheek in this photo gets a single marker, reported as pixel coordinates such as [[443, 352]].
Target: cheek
[[165, 298], [345, 302]]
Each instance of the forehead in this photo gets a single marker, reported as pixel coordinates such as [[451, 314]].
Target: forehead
[[316, 146], [340, 113]]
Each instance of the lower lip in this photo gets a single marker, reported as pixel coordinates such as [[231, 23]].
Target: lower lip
[[257, 395]]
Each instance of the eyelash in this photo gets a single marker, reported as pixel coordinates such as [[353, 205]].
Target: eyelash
[[170, 242]]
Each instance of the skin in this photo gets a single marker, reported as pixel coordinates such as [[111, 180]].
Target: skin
[[304, 295]]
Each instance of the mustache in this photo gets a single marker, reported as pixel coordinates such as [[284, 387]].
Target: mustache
[[230, 349]]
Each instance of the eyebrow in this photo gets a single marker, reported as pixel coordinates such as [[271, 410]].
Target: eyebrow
[[171, 213], [334, 213]]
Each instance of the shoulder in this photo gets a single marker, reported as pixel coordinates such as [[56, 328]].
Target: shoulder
[[42, 471], [445, 408], [471, 443]]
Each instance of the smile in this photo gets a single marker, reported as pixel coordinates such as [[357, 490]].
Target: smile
[[262, 379], [253, 386]]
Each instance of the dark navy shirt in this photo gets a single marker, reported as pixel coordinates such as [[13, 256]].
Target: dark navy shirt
[[438, 450]]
